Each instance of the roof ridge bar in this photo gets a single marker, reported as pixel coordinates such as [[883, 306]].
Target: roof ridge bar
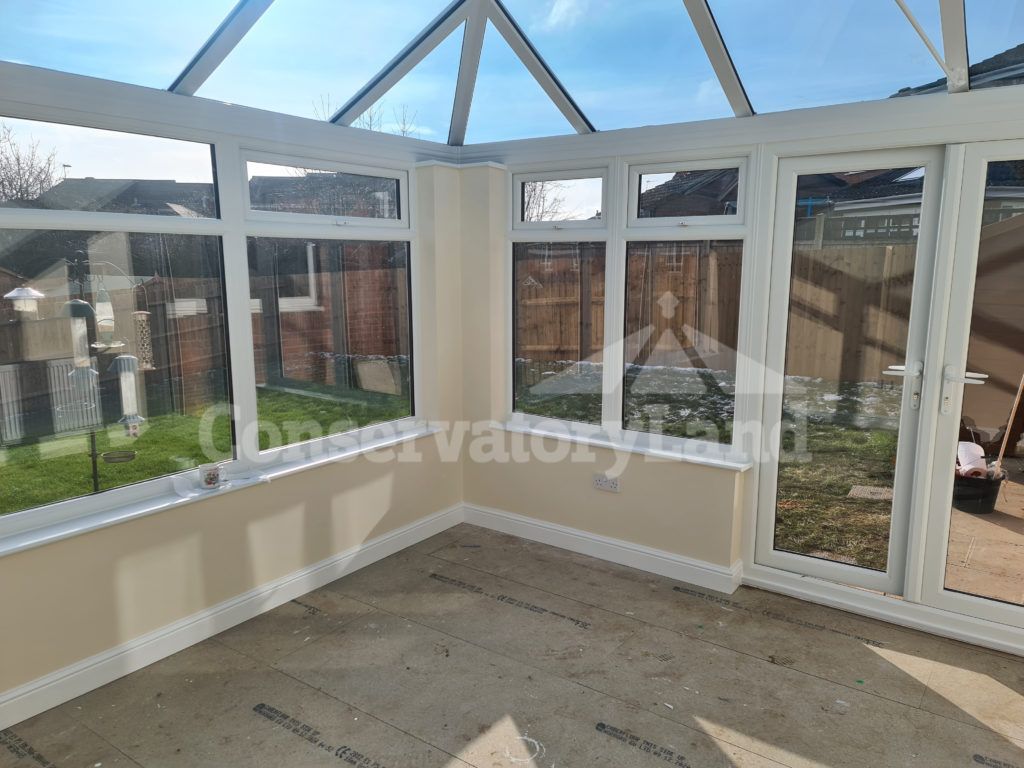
[[925, 39], [223, 40], [535, 64], [954, 45], [426, 41], [469, 67], [718, 54]]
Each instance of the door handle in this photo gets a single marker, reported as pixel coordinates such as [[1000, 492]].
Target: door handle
[[915, 372], [951, 377]]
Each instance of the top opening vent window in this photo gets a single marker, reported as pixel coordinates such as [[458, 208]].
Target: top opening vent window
[[325, 190], [704, 192], [553, 200]]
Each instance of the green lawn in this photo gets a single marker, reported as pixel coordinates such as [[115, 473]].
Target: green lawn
[[814, 513], [60, 468]]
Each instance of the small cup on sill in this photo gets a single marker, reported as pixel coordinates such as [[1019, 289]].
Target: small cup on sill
[[211, 476]]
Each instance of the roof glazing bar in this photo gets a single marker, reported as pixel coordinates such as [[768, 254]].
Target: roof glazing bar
[[954, 45], [711, 38], [221, 43], [469, 66], [433, 35], [534, 62], [924, 38]]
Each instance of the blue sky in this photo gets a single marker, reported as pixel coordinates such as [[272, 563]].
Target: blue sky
[[626, 63]]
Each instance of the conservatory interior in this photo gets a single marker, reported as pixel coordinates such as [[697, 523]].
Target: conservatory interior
[[512, 383]]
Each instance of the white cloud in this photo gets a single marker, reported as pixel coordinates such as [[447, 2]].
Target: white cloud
[[564, 13]]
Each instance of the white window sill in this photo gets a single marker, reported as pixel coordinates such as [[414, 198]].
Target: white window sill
[[689, 451], [65, 529]]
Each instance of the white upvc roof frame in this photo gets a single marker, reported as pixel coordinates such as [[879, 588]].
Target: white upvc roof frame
[[474, 16], [718, 53], [223, 40]]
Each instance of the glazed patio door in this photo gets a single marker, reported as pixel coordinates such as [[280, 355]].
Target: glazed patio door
[[974, 533], [852, 270]]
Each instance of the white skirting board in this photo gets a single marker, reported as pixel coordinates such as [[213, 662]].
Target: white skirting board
[[719, 578], [65, 684]]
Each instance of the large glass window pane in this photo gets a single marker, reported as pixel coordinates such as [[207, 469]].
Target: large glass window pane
[[626, 64], [986, 530], [142, 43], [307, 57], [559, 329], [675, 194], [682, 323], [331, 328], [289, 189], [70, 168], [508, 103], [562, 200], [995, 31], [113, 361], [827, 53], [853, 263], [420, 104]]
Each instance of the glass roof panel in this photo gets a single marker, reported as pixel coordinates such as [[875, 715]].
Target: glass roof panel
[[508, 103], [827, 53], [420, 104], [995, 42], [141, 43], [625, 63], [308, 57]]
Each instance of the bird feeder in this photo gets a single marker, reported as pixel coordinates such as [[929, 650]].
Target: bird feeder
[[127, 368], [79, 312], [26, 300], [104, 319]]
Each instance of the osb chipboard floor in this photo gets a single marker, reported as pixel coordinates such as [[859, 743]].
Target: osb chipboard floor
[[479, 649]]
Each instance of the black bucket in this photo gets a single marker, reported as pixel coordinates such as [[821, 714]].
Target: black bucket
[[977, 495]]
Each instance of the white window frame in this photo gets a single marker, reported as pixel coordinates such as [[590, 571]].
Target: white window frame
[[615, 231], [710, 164], [43, 524], [559, 174], [321, 164]]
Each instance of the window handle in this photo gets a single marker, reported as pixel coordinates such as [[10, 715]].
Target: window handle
[[950, 376]]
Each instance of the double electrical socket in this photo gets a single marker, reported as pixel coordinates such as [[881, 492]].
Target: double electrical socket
[[606, 483]]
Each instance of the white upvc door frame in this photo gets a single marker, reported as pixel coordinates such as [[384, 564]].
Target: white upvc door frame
[[789, 169], [951, 317]]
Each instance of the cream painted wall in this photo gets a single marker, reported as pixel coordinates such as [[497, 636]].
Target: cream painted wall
[[85, 594], [683, 508]]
